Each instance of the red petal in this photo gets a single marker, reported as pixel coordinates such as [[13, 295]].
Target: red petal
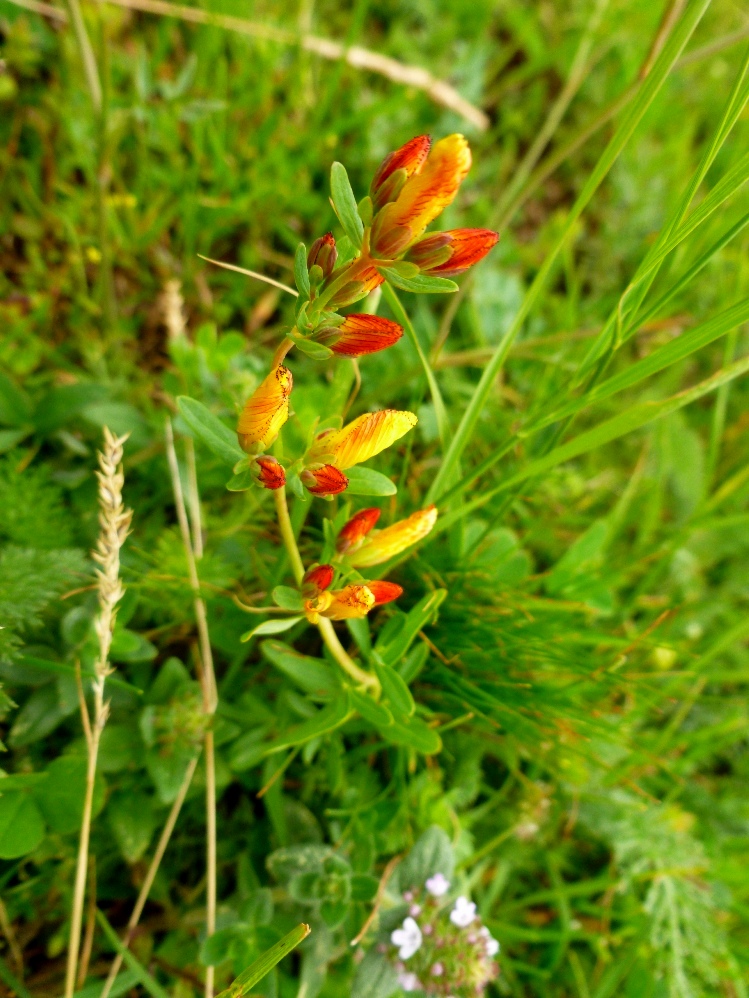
[[326, 480], [317, 580], [468, 246], [357, 527], [361, 334], [410, 157], [384, 592]]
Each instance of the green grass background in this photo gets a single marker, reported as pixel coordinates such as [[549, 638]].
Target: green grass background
[[592, 648]]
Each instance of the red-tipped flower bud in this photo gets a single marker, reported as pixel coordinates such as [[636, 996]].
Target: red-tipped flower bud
[[384, 592], [317, 580], [324, 480], [356, 529], [445, 253], [324, 254], [396, 168], [268, 472], [357, 288], [360, 334]]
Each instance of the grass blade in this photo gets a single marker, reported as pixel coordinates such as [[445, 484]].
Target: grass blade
[[645, 96], [151, 985], [262, 967]]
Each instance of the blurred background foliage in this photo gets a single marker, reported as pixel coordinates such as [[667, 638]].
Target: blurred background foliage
[[588, 669]]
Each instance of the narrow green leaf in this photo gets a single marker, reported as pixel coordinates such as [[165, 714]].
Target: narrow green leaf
[[376, 713], [413, 733], [219, 439], [325, 721], [273, 626], [301, 274], [627, 421], [416, 619], [9, 978], [311, 674], [395, 690], [365, 482], [421, 284], [151, 985], [315, 351], [631, 118], [670, 353], [345, 205], [263, 966]]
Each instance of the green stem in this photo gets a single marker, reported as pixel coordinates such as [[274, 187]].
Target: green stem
[[327, 631]]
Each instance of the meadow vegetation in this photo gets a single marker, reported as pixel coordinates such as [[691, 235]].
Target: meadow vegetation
[[561, 732]]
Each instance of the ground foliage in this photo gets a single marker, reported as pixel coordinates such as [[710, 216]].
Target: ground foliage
[[587, 670]]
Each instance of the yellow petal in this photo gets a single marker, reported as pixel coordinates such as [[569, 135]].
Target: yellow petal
[[266, 410], [381, 545], [371, 433], [349, 603], [426, 194]]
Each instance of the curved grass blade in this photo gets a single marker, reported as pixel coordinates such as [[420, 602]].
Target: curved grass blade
[[263, 966]]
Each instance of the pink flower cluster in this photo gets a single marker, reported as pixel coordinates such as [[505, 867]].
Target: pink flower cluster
[[442, 947]]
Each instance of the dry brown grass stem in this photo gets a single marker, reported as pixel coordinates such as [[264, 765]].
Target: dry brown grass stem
[[206, 676], [153, 867], [359, 58], [114, 526], [173, 310]]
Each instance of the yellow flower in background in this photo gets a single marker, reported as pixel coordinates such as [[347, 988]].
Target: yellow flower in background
[[366, 436], [265, 411], [424, 195], [381, 545]]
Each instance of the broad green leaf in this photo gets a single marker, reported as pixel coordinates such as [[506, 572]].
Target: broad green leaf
[[301, 274], [9, 438], [418, 618], [287, 598], [432, 853], [15, 409], [272, 626], [345, 205], [260, 968], [311, 674], [420, 284], [21, 824], [133, 821], [375, 977], [242, 481], [628, 123], [325, 721], [219, 439], [365, 482], [21, 781], [60, 798], [375, 713], [395, 690], [313, 350]]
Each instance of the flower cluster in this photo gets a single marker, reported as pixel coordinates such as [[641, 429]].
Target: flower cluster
[[385, 240], [442, 948]]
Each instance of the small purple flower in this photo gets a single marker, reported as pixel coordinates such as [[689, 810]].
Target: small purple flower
[[409, 981], [415, 910], [463, 913], [438, 970], [407, 939], [438, 885]]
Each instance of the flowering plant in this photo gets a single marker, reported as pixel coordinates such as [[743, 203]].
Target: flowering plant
[[384, 240]]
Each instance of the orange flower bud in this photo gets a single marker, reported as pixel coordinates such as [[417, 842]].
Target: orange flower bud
[[384, 592], [446, 253], [385, 544], [324, 480], [424, 195], [268, 472], [317, 580], [356, 529], [361, 283], [405, 161], [360, 334], [349, 603], [265, 411], [371, 433], [323, 252]]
